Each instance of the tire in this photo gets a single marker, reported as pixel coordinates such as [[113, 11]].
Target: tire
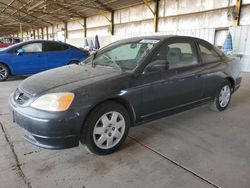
[[223, 97], [73, 62], [4, 72], [106, 128]]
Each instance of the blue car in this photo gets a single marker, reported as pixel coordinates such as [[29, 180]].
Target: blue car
[[35, 56]]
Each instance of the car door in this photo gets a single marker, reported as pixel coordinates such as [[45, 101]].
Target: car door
[[30, 60], [176, 87], [56, 54]]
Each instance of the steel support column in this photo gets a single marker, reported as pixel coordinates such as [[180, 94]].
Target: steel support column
[[47, 32], [238, 12], [85, 26], [155, 12], [65, 31], [112, 23], [21, 31], [42, 33], [34, 34], [156, 16], [53, 34]]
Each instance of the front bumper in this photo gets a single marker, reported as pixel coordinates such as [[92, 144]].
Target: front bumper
[[47, 129]]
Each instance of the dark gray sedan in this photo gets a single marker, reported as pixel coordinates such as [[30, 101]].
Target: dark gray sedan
[[125, 84]]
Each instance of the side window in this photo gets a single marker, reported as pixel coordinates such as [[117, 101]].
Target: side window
[[208, 54], [53, 46], [33, 47], [179, 54]]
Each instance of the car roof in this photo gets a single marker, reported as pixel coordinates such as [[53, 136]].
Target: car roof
[[156, 37], [33, 41]]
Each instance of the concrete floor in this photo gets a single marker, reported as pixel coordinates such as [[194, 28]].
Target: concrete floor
[[197, 148]]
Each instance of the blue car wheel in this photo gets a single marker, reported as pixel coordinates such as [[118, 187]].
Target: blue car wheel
[[4, 72]]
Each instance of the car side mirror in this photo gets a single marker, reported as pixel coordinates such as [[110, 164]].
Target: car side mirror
[[20, 51], [156, 66]]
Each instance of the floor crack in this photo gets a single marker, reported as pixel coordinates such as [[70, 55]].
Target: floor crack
[[176, 163], [18, 165]]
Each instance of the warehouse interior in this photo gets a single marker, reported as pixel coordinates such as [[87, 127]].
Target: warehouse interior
[[196, 148], [74, 21]]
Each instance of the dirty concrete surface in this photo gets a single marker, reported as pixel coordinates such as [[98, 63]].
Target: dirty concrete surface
[[196, 148]]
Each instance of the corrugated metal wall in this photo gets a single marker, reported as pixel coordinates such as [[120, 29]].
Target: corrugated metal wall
[[241, 44]]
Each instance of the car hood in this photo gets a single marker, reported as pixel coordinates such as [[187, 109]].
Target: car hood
[[59, 77]]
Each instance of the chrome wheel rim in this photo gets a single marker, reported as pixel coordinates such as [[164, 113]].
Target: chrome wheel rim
[[224, 96], [3, 72], [109, 130]]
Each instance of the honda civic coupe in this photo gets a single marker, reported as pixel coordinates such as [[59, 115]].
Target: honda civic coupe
[[36, 56], [127, 83]]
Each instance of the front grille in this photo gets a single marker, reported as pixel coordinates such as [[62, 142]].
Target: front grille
[[20, 97]]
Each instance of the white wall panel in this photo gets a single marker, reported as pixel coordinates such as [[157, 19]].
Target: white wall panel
[[245, 16], [188, 6], [100, 31], [95, 21], [241, 44], [75, 34], [75, 25]]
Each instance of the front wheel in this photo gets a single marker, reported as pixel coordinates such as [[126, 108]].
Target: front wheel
[[4, 72], [223, 97], [106, 128]]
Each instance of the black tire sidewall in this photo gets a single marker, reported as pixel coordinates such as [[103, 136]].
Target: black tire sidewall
[[8, 72], [94, 117], [217, 103]]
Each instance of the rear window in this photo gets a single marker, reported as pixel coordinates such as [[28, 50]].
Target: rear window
[[53, 46], [208, 53]]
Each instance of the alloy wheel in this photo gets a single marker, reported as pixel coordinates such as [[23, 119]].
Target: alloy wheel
[[109, 130], [3, 72], [224, 96]]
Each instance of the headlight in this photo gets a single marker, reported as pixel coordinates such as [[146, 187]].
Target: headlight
[[55, 102]]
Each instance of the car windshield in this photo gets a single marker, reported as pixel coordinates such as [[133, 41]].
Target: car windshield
[[124, 56]]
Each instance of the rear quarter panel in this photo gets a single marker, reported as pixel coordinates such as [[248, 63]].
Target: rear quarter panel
[[234, 67], [77, 54], [215, 73]]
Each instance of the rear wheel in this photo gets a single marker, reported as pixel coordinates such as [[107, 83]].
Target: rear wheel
[[223, 97], [106, 128], [4, 72]]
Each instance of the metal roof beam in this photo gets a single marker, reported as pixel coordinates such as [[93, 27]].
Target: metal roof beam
[[15, 18], [69, 10], [8, 6], [106, 7], [20, 11]]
